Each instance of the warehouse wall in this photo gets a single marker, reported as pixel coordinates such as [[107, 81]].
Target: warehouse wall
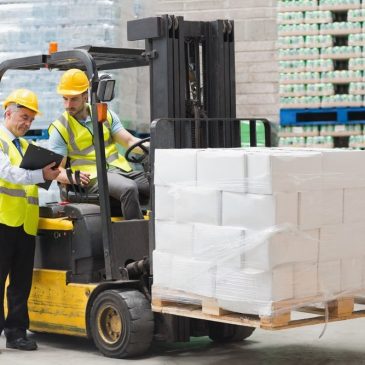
[[134, 96], [256, 60]]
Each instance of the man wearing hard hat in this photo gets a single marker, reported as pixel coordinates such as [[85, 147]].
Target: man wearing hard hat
[[19, 214], [71, 135]]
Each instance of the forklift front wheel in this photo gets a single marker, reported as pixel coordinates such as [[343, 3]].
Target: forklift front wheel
[[121, 323], [223, 333]]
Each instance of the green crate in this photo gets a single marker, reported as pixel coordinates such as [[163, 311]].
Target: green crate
[[245, 133]]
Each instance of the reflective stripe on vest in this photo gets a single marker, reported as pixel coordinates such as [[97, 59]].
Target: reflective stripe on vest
[[33, 200], [18, 203], [13, 192], [19, 194], [80, 146], [5, 147]]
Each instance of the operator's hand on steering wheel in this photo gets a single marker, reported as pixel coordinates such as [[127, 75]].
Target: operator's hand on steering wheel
[[143, 145]]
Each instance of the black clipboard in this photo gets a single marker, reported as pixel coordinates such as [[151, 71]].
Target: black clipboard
[[36, 158]]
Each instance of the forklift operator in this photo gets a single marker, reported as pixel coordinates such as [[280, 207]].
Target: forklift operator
[[19, 214], [71, 135]]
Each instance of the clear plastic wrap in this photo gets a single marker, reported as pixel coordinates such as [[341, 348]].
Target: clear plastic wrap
[[259, 231]]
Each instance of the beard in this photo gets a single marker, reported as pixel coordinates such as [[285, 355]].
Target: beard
[[76, 113]]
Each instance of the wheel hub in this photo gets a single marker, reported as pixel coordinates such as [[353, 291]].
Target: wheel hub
[[109, 324]]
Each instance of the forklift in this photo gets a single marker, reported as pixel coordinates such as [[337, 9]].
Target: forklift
[[93, 272]]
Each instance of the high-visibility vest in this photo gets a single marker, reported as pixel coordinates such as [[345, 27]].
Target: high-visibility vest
[[18, 203], [80, 144]]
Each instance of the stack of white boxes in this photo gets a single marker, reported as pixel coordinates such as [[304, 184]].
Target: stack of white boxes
[[250, 227]]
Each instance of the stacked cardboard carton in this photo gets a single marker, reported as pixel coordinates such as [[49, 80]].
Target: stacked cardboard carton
[[250, 227]]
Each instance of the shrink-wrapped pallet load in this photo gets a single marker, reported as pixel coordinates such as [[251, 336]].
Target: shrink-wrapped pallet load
[[254, 228]]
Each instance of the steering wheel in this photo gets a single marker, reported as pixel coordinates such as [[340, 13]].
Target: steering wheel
[[140, 158]]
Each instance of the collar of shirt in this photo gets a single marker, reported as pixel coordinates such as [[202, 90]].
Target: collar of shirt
[[8, 133], [87, 123]]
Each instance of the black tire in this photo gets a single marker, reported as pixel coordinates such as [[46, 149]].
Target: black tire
[[223, 333], [121, 323]]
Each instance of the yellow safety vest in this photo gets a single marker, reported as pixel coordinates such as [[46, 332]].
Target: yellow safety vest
[[80, 144], [18, 203]]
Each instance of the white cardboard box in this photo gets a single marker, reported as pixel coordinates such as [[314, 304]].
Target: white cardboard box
[[354, 205], [320, 208], [254, 285], [193, 276], [332, 206], [329, 278], [305, 279], [198, 205], [257, 212], [341, 242], [175, 238], [330, 243], [351, 274], [162, 266], [280, 171], [343, 169], [164, 202], [175, 166], [353, 242], [223, 169], [219, 243], [281, 248]]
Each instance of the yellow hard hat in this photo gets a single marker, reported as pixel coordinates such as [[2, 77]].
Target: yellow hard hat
[[23, 97], [73, 82]]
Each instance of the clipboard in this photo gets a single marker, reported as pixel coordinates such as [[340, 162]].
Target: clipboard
[[36, 158]]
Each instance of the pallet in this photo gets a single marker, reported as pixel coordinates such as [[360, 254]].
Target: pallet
[[299, 7], [317, 116], [338, 310], [341, 133], [298, 134], [340, 31], [339, 6]]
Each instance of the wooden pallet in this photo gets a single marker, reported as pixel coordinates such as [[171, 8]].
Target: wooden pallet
[[338, 310]]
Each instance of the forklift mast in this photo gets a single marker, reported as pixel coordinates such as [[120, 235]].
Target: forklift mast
[[193, 100], [192, 68], [192, 85]]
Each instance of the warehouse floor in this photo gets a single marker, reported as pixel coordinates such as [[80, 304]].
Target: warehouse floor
[[342, 343]]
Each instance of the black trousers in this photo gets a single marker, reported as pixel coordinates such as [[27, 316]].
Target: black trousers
[[16, 260], [126, 187]]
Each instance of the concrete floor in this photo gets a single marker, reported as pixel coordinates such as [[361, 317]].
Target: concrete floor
[[342, 343]]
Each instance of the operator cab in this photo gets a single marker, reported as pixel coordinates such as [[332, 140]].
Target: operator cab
[[82, 237]]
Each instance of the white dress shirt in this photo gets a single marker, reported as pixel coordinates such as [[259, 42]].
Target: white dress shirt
[[17, 175]]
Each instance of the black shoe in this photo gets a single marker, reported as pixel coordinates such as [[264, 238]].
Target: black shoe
[[22, 343]]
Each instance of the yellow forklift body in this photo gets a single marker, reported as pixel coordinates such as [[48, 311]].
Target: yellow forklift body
[[56, 224], [57, 307]]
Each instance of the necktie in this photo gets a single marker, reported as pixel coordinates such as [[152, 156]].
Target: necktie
[[17, 145]]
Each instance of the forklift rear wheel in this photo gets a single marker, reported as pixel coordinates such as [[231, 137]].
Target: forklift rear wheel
[[222, 332], [121, 323]]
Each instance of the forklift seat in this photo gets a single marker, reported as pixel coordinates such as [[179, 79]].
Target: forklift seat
[[77, 194]]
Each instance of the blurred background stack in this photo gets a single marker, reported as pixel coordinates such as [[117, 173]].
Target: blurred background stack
[[27, 27], [322, 69]]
